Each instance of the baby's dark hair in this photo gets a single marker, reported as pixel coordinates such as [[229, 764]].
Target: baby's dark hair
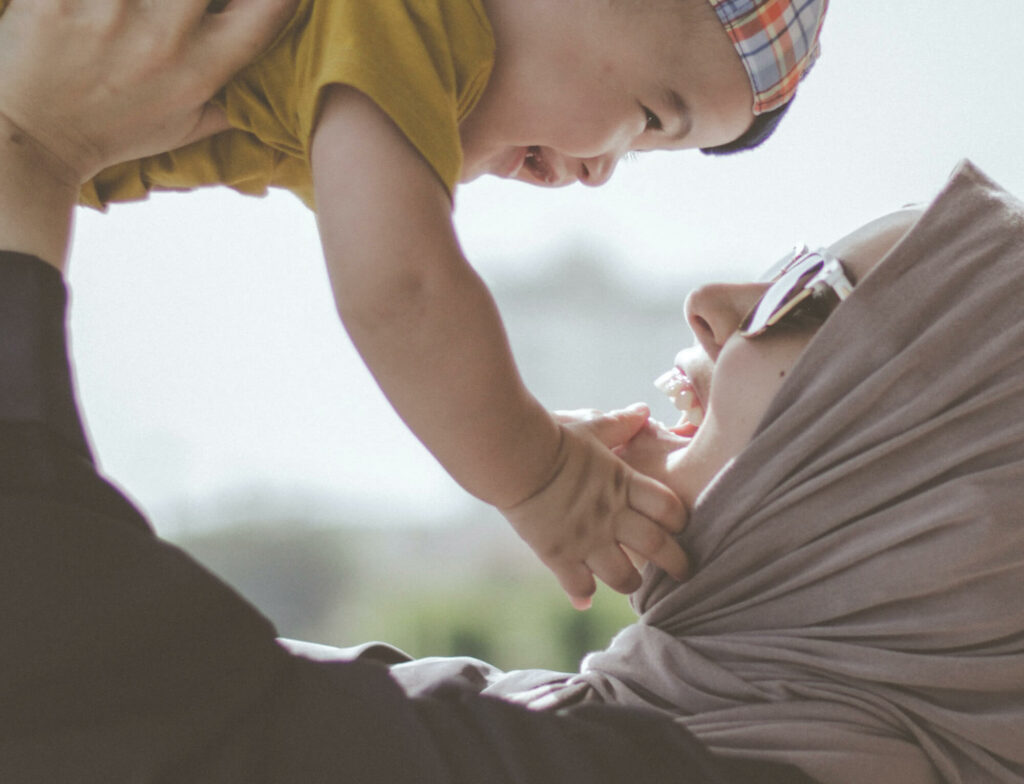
[[764, 125]]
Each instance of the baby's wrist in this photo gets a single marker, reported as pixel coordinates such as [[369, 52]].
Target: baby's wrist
[[546, 465], [541, 480]]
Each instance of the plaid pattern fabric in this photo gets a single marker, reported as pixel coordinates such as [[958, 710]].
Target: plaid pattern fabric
[[777, 41]]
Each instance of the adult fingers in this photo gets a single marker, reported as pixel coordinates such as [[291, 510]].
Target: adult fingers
[[233, 38], [649, 540], [655, 501], [212, 120], [178, 17]]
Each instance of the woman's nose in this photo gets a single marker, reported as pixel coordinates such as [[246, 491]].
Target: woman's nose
[[714, 312], [596, 171]]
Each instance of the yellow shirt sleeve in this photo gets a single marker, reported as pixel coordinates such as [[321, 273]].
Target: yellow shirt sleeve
[[425, 63]]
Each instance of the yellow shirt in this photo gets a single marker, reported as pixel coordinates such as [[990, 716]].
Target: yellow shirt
[[425, 63]]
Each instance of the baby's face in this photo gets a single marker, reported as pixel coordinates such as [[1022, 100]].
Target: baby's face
[[579, 90], [732, 379]]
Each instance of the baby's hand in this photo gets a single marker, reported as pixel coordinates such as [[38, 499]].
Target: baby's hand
[[594, 505], [654, 451]]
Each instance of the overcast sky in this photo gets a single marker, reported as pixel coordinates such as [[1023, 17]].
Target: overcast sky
[[212, 367]]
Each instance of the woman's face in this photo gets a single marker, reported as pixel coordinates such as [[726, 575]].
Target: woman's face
[[732, 378]]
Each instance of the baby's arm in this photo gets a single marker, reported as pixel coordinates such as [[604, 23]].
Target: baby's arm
[[429, 331]]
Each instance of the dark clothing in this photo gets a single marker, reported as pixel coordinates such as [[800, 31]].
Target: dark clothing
[[123, 660]]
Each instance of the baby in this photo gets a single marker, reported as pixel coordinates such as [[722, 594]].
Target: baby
[[373, 113]]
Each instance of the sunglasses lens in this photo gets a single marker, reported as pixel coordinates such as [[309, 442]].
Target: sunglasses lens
[[781, 297]]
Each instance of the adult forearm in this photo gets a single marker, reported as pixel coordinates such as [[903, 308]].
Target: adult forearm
[[37, 198]]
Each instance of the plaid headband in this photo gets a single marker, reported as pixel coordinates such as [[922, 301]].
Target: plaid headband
[[777, 41]]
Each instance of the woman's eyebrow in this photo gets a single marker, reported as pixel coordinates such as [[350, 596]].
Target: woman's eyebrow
[[677, 104]]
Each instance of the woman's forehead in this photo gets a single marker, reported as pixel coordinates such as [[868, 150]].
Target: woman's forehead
[[862, 249]]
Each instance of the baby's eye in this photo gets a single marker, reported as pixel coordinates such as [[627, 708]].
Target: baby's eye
[[653, 121]]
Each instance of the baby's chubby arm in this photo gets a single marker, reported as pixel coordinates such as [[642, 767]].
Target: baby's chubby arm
[[429, 331]]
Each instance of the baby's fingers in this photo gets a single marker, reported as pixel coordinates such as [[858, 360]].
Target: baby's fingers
[[578, 582], [656, 502], [611, 566], [653, 543], [614, 428]]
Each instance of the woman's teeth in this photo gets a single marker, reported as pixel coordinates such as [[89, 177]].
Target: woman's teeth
[[695, 415], [676, 386]]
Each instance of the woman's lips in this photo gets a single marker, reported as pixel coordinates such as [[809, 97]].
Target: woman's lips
[[680, 390]]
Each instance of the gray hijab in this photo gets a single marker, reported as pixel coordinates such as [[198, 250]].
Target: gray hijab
[[857, 606], [858, 602]]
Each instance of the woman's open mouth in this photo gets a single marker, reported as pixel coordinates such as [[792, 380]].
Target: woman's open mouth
[[679, 389]]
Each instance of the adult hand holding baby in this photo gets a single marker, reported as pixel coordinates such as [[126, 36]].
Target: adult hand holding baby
[[98, 82], [595, 505]]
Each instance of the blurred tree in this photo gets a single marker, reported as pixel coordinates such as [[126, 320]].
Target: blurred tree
[[337, 586]]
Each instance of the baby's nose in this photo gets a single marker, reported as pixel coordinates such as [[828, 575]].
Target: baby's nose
[[596, 171]]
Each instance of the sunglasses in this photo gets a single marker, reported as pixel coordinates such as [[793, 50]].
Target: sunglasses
[[803, 282]]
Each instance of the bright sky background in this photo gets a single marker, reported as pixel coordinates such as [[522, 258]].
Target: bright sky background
[[213, 370]]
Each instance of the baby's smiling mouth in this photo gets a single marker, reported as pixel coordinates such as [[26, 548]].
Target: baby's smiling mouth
[[681, 392], [537, 166]]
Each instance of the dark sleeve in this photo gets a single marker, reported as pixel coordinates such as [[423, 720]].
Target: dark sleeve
[[119, 655], [123, 660], [485, 739]]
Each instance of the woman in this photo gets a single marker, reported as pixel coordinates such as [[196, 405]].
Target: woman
[[856, 486], [857, 566]]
